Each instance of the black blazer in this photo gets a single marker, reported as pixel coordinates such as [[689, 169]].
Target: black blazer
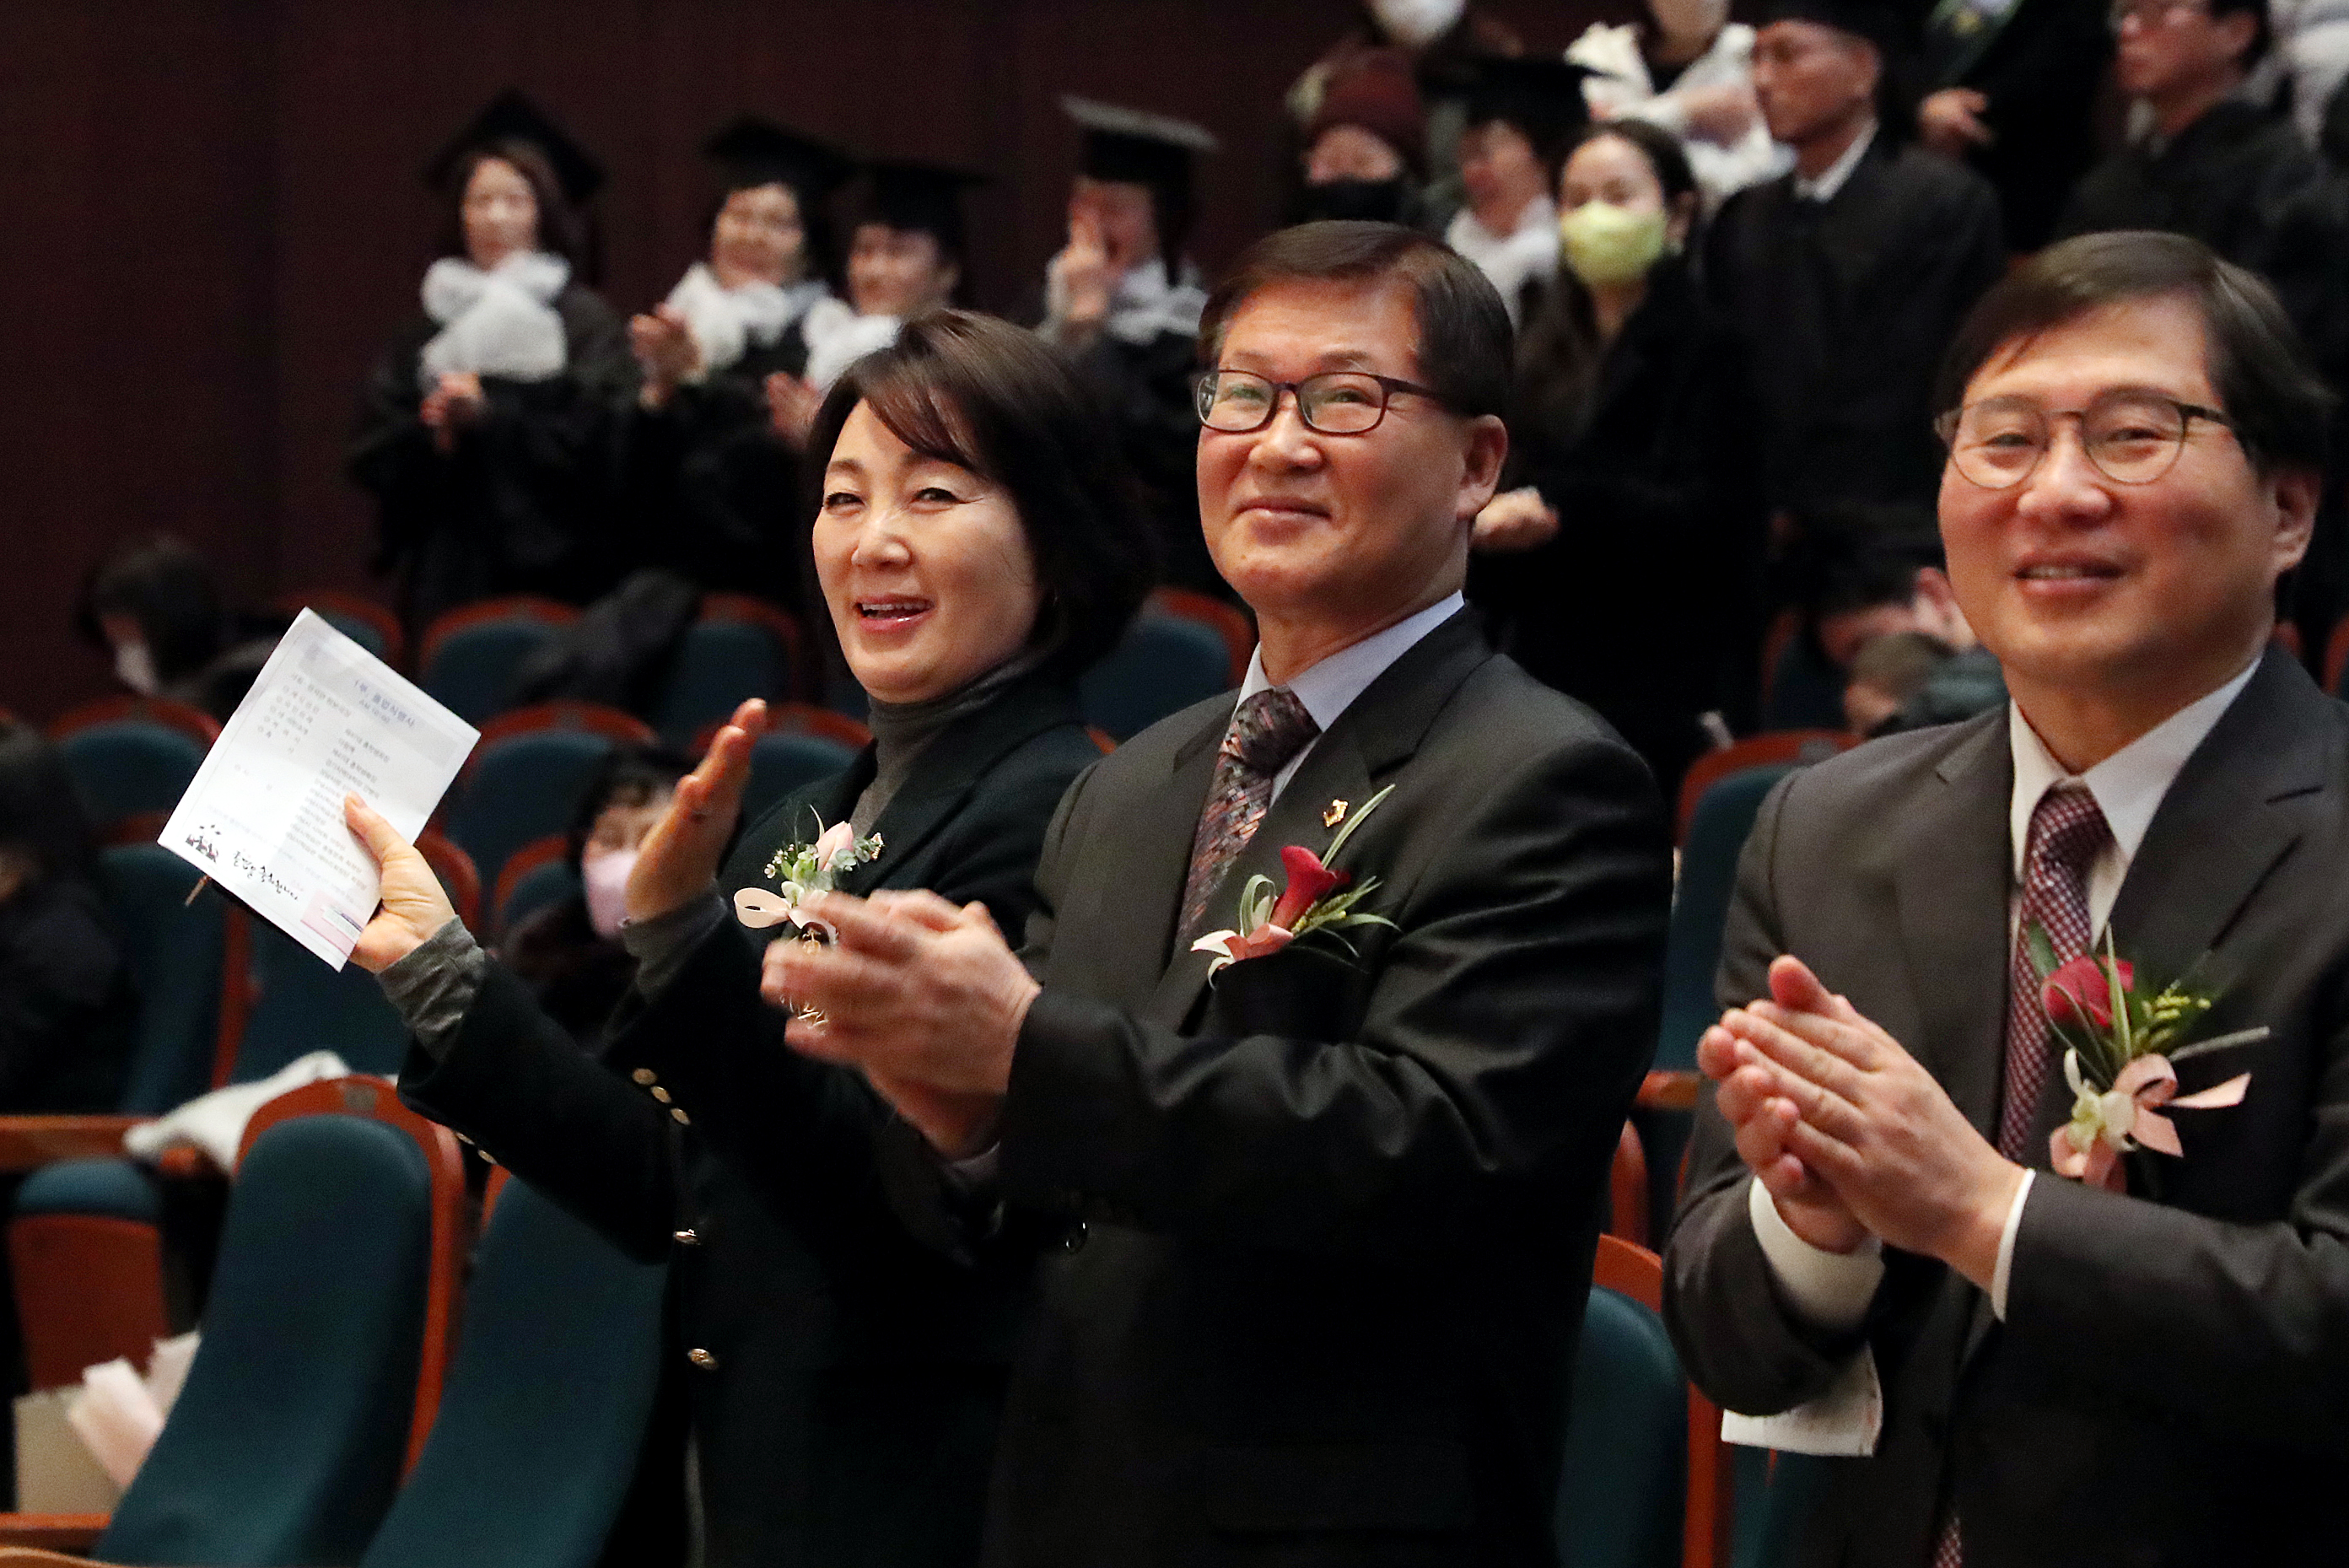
[[1646, 605], [1845, 307], [1326, 1226], [2226, 179], [2040, 72], [2170, 1386], [843, 1378]]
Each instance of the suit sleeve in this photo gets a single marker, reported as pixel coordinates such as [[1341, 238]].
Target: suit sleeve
[[516, 1083], [2239, 1329], [1735, 1331], [1505, 1025]]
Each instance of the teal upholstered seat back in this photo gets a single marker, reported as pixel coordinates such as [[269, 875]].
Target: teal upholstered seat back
[[128, 765], [1624, 1482], [287, 1444], [542, 1416], [174, 949], [1717, 835], [1164, 664], [305, 1006]]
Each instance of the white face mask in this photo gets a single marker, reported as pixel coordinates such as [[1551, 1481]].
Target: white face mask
[[605, 875], [1689, 19], [1415, 23], [135, 668]]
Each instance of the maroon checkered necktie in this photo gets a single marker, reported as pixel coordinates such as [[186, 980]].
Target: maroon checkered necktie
[[1267, 731], [2067, 832]]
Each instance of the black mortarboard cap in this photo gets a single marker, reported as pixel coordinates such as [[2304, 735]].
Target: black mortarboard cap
[[924, 197], [1891, 26], [1541, 95], [510, 117], [753, 151], [1134, 147]]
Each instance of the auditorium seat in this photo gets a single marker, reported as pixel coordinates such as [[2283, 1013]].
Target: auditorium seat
[[527, 776], [1646, 1482], [1754, 751], [1225, 620], [469, 657], [1801, 689], [556, 1372], [738, 649], [129, 756], [362, 620], [325, 1338], [538, 874], [1164, 664]]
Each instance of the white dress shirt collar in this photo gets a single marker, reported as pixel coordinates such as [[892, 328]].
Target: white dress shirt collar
[[1838, 172], [2129, 785], [1329, 689]]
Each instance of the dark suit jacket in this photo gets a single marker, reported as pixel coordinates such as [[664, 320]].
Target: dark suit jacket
[[2172, 1382], [2226, 179], [1326, 1226], [848, 1376], [2039, 71], [1846, 307]]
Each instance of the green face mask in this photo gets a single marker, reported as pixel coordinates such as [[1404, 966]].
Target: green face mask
[[1608, 245]]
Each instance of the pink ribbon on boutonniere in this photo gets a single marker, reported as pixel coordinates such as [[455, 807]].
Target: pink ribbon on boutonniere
[[2107, 1125]]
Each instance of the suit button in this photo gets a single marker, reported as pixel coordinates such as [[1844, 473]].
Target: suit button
[[644, 1076], [702, 1358], [1074, 1241], [676, 1114], [660, 1093], [688, 1237]]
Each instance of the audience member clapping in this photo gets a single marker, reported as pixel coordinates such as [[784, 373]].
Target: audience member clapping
[[1688, 69]]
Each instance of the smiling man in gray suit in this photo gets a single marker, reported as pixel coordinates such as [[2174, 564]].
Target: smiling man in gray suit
[[1324, 1220], [2038, 1370]]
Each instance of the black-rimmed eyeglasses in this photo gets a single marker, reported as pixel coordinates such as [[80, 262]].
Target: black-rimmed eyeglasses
[[1336, 402], [2132, 437]]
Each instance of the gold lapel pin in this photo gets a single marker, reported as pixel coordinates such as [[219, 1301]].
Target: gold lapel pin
[[1335, 814]]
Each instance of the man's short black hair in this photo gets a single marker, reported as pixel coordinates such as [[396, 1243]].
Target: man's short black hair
[[1466, 341], [2266, 383]]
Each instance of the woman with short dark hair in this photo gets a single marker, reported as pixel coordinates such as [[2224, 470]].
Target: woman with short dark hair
[[1622, 567], [66, 1004], [975, 547], [483, 427]]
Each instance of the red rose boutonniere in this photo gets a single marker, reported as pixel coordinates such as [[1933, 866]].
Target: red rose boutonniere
[[1317, 898], [2119, 1046]]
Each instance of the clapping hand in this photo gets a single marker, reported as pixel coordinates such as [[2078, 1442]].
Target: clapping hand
[[926, 997], [680, 858], [1088, 274], [791, 406], [1849, 1134], [1514, 520], [454, 402], [1720, 115], [666, 350], [1950, 121]]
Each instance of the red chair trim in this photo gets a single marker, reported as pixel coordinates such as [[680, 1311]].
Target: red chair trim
[[780, 623], [621, 727], [521, 863], [513, 607], [1227, 621], [457, 873], [1754, 751], [193, 723], [89, 1287]]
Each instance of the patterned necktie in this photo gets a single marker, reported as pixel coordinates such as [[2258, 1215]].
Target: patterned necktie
[[2067, 832], [1267, 731]]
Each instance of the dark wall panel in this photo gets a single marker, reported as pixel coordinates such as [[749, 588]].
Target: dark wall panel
[[213, 214]]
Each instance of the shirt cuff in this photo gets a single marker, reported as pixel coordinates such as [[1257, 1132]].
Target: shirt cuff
[[432, 987], [662, 944], [2006, 1245], [1829, 1290]]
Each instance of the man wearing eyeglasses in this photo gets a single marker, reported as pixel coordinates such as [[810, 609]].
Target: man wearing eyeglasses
[[2209, 164], [1321, 1221], [1876, 1255]]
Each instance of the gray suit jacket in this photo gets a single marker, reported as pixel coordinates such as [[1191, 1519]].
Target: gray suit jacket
[[2172, 1382]]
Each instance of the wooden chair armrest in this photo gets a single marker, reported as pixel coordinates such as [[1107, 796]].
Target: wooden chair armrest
[[44, 1533], [1669, 1091], [29, 1143]]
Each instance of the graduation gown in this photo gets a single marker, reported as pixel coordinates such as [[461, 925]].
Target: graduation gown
[[845, 1377], [710, 490], [1845, 306], [2038, 65], [1645, 605], [521, 504], [2226, 179]]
